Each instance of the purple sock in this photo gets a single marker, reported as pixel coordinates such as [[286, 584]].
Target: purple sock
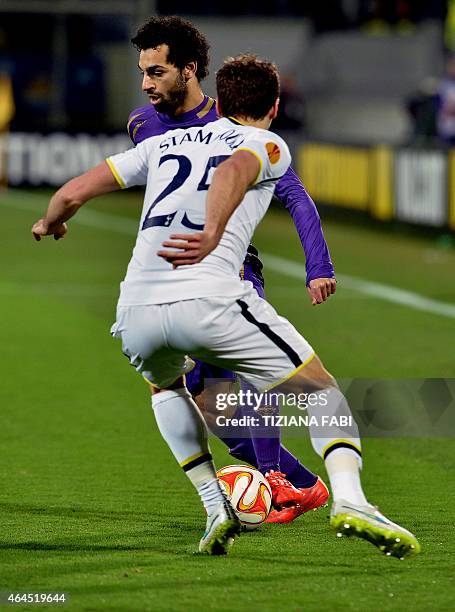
[[264, 451], [265, 438], [239, 442], [245, 444], [267, 452], [272, 455], [298, 474], [242, 448]]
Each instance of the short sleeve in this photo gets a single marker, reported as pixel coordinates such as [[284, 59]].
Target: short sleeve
[[131, 167], [272, 153]]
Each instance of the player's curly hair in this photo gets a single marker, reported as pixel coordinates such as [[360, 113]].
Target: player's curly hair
[[247, 86], [186, 43]]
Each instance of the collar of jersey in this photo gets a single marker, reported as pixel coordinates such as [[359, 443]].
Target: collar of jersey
[[236, 121], [191, 114]]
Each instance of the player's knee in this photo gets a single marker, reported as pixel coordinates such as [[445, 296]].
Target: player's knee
[[318, 374], [312, 377]]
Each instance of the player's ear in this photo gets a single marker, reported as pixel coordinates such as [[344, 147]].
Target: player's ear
[[190, 70], [218, 109], [274, 109]]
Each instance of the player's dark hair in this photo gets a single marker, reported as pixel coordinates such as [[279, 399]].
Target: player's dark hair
[[186, 43], [247, 87]]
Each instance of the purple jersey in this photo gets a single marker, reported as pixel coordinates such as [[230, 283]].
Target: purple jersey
[[145, 122]]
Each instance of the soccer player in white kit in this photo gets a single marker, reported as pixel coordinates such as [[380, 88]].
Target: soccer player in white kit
[[182, 294]]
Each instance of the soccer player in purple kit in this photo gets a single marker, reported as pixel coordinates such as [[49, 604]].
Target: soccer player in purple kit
[[173, 60]]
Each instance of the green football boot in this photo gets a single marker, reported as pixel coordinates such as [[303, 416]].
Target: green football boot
[[368, 523], [222, 528]]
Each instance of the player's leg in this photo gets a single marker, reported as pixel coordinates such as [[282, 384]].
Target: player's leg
[[274, 459], [331, 439], [266, 439], [241, 441], [221, 332], [206, 382], [183, 428], [269, 353], [259, 446], [335, 437], [178, 418]]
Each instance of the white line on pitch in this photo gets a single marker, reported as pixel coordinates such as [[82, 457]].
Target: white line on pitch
[[377, 290], [124, 225], [37, 203]]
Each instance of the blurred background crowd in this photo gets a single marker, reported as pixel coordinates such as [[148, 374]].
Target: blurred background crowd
[[367, 101], [353, 70]]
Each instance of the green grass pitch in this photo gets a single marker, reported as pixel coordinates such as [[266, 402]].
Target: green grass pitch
[[91, 500]]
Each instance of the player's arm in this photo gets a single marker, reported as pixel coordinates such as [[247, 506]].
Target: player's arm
[[230, 182], [68, 199], [117, 172], [321, 282]]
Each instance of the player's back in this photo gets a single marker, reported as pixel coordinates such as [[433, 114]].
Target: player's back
[[177, 168]]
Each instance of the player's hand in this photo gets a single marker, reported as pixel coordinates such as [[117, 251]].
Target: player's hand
[[192, 248], [320, 289], [41, 228]]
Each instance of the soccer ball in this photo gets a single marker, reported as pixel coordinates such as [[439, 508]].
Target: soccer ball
[[249, 493]]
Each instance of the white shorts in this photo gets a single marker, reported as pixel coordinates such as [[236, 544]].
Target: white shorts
[[244, 335]]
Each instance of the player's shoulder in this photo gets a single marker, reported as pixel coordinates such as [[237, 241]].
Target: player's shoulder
[[140, 123], [221, 124], [140, 113], [265, 136], [270, 146]]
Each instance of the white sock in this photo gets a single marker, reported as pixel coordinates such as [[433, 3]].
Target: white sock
[[343, 468], [184, 429], [210, 492], [335, 422]]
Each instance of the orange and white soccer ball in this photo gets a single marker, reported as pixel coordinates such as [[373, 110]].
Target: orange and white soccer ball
[[249, 492]]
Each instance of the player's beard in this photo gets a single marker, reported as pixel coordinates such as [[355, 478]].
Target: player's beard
[[175, 97]]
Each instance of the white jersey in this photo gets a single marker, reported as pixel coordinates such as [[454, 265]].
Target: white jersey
[[177, 168]]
